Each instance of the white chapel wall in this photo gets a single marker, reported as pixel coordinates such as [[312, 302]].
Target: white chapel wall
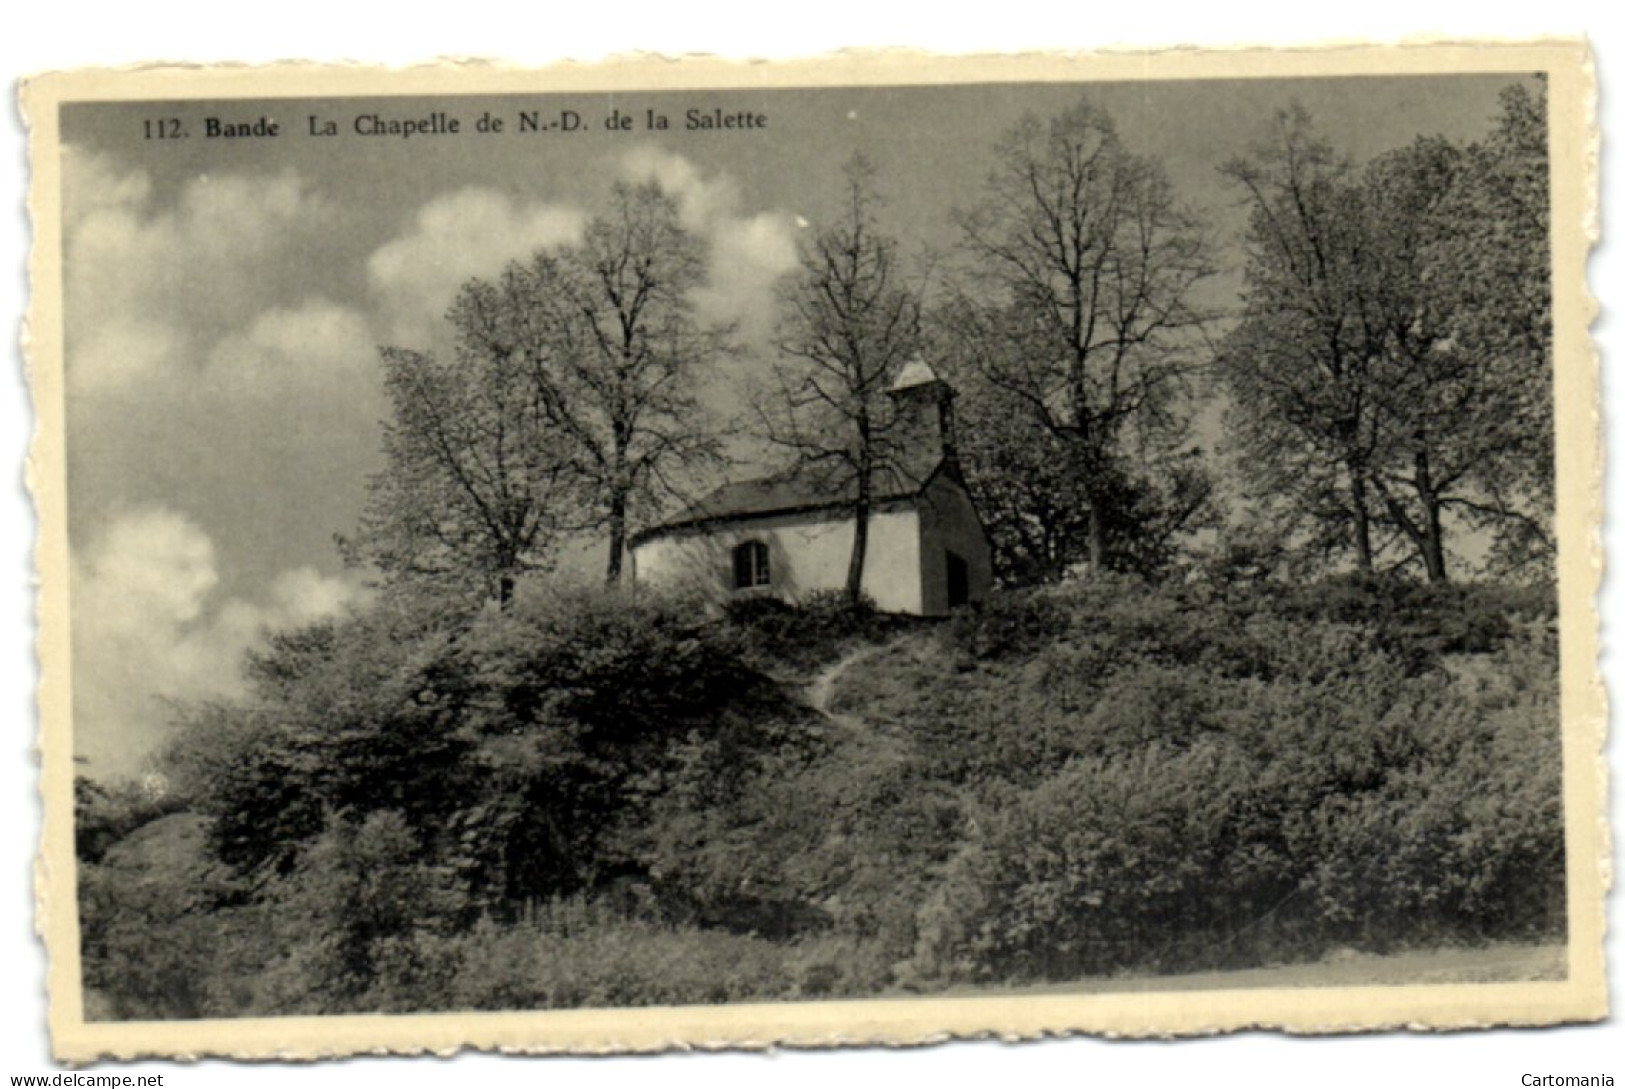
[[806, 554]]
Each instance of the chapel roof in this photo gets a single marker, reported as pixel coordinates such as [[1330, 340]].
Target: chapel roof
[[916, 372], [808, 489], [789, 493]]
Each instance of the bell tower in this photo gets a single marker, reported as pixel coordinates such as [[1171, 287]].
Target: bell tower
[[924, 420]]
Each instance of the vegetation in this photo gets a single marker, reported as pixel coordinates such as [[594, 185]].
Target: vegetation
[[591, 799], [1377, 388], [1150, 750], [569, 406], [850, 324], [1077, 327]]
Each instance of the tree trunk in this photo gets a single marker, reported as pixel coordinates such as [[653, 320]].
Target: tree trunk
[[1433, 551], [1097, 538], [617, 538], [1362, 527], [1427, 537], [1432, 542], [860, 550], [860, 511]]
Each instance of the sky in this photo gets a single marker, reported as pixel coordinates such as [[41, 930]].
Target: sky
[[225, 300]]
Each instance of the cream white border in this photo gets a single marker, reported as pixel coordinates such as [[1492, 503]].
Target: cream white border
[[1582, 996]]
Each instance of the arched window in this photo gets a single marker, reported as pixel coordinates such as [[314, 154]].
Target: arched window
[[750, 565]]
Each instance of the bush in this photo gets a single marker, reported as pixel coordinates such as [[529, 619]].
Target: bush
[[1114, 863], [1465, 840], [1292, 791], [104, 813], [575, 953], [831, 835], [595, 799], [163, 930], [1010, 625], [353, 926], [1416, 622], [777, 635], [512, 743]]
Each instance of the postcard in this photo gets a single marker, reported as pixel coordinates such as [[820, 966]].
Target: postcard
[[880, 549]]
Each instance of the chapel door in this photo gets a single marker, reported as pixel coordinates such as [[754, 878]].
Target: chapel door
[[958, 581]]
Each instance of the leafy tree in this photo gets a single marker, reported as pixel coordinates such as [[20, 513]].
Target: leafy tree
[[1081, 310], [1030, 495], [1496, 308], [850, 322], [1430, 400], [476, 488], [1298, 363], [1368, 394], [1035, 497], [570, 405]]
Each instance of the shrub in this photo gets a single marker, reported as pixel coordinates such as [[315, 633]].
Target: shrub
[[1184, 817], [777, 635], [163, 933], [1114, 863], [104, 813], [1418, 622], [353, 923], [595, 799], [1010, 625], [576, 953], [511, 743], [1465, 840], [832, 836]]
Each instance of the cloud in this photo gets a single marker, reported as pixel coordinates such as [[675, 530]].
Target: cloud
[[266, 436], [476, 231], [91, 182], [748, 256], [748, 252], [149, 626], [123, 350], [314, 348], [701, 202], [471, 232], [147, 285]]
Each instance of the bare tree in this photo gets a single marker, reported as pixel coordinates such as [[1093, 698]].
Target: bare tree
[[607, 330], [626, 393], [849, 323], [1084, 275]]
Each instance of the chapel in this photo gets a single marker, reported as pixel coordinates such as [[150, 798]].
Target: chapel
[[788, 535]]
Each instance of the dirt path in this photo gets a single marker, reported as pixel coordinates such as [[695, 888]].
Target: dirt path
[[821, 689], [872, 741]]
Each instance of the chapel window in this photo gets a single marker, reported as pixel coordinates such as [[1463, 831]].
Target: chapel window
[[751, 566]]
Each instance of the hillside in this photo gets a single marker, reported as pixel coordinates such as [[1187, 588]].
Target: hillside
[[596, 800]]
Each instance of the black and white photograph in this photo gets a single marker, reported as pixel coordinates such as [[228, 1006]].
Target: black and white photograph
[[894, 553]]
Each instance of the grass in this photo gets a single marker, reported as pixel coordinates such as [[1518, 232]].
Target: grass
[[1497, 962]]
